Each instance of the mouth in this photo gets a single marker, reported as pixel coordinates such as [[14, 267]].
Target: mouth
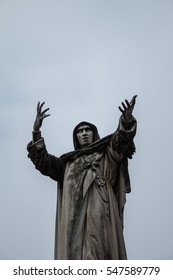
[[85, 138]]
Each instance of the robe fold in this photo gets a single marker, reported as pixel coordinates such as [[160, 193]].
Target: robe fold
[[92, 187]]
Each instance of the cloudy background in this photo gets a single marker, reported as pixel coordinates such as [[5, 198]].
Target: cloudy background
[[83, 58]]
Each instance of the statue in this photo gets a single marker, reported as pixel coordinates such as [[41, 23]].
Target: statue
[[92, 184]]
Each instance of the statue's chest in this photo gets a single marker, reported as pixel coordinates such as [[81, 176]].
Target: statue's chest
[[77, 168]]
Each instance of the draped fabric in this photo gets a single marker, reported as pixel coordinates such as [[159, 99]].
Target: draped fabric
[[92, 186]]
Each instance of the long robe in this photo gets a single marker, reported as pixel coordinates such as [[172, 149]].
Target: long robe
[[92, 186]]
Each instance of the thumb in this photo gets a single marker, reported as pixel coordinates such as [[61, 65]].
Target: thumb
[[133, 101]]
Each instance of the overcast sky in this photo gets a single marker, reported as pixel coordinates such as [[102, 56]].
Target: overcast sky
[[83, 58]]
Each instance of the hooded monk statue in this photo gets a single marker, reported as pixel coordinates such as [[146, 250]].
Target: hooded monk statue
[[92, 184]]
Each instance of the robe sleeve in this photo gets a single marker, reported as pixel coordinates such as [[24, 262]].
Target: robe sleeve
[[122, 139], [120, 148], [46, 163]]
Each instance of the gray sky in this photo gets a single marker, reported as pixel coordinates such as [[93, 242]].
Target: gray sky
[[83, 58]]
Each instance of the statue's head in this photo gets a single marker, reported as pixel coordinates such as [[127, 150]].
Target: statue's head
[[84, 134]]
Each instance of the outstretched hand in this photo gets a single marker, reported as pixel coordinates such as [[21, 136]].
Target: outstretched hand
[[127, 108], [40, 116]]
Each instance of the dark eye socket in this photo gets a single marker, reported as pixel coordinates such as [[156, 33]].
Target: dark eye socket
[[80, 130]]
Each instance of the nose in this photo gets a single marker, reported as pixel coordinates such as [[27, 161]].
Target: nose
[[84, 132]]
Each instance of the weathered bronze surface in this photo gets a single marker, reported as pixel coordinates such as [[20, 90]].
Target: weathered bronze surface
[[92, 184]]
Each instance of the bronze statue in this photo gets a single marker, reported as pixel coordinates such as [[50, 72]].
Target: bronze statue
[[92, 184]]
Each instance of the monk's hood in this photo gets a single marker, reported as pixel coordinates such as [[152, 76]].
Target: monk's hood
[[93, 128]]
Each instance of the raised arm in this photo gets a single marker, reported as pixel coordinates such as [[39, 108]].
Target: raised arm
[[40, 116], [127, 109], [123, 138], [46, 163]]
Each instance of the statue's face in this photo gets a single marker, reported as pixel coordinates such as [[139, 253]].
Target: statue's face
[[84, 135]]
